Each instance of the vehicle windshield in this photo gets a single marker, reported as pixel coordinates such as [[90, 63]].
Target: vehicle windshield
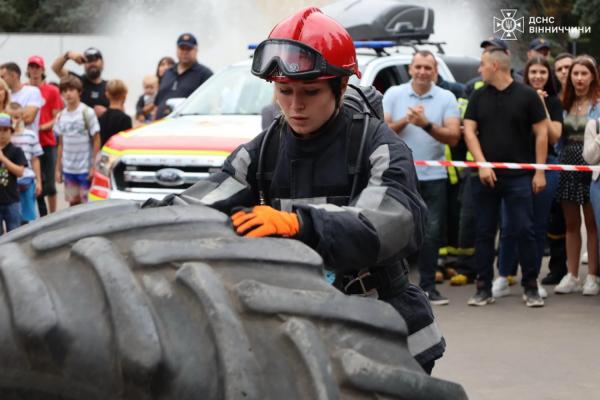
[[233, 90]]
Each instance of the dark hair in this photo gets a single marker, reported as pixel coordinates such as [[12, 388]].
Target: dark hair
[[336, 87], [550, 87], [560, 56], [11, 66], [594, 92], [169, 59], [70, 82]]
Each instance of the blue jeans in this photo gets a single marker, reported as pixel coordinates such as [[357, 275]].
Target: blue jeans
[[434, 193], [516, 195], [542, 203], [595, 199], [10, 214]]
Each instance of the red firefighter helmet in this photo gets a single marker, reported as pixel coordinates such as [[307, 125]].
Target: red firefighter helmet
[[307, 45]]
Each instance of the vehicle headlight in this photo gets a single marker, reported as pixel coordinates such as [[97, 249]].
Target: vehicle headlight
[[105, 163]]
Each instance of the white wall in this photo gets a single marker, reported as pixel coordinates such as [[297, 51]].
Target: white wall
[[139, 38]]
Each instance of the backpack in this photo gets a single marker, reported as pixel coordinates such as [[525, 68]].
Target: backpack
[[86, 123], [366, 104]]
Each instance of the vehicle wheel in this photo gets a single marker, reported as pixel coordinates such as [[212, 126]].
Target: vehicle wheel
[[109, 301]]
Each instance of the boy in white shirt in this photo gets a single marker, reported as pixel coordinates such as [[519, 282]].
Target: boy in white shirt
[[78, 133]]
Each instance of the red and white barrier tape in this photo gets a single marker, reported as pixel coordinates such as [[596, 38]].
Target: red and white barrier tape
[[505, 165]]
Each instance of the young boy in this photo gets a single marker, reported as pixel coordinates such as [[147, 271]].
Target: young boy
[[114, 120], [12, 166], [30, 184], [144, 109], [78, 134]]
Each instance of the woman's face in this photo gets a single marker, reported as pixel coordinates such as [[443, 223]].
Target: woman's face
[[306, 105], [163, 66], [538, 76], [581, 78]]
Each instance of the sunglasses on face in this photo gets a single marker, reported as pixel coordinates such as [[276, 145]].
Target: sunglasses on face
[[91, 58]]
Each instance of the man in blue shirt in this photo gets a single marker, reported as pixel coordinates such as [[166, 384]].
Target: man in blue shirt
[[184, 77], [426, 117]]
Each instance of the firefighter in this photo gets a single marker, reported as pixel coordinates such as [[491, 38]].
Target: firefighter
[[301, 177]]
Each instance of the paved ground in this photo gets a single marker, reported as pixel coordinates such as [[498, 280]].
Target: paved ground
[[506, 351]]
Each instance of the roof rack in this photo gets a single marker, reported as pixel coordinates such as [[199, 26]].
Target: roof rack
[[381, 45]]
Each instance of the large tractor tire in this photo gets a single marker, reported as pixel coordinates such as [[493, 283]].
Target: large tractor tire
[[110, 301]]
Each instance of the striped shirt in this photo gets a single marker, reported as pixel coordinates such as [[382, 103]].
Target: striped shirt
[[77, 138], [29, 143]]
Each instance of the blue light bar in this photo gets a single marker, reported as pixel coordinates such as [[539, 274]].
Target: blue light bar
[[359, 44], [374, 44]]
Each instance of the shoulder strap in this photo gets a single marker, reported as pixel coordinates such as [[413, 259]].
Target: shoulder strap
[[272, 151], [86, 123], [356, 134], [267, 158]]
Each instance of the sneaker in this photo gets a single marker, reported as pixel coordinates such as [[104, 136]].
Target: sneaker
[[542, 291], [591, 287], [500, 287], [584, 258], [436, 298], [460, 280], [482, 297], [532, 298], [568, 284]]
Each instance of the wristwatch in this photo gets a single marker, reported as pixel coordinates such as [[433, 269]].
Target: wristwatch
[[427, 128]]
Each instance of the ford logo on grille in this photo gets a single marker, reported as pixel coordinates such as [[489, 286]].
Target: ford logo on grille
[[169, 177]]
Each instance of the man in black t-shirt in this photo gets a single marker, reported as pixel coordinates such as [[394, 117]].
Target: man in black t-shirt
[[12, 166], [94, 87], [505, 122], [184, 77]]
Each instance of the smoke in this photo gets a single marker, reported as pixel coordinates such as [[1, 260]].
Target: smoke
[[144, 31], [140, 32]]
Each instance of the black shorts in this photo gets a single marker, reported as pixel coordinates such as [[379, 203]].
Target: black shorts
[[47, 167]]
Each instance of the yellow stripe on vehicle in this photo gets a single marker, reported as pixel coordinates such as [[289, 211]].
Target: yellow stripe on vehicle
[[92, 197], [166, 152]]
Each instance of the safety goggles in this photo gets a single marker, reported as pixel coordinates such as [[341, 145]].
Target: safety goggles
[[292, 59]]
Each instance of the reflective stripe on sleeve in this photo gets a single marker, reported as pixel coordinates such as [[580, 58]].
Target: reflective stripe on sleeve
[[424, 339], [380, 162], [240, 163], [225, 190]]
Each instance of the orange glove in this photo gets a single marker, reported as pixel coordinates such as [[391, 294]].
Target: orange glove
[[265, 221]]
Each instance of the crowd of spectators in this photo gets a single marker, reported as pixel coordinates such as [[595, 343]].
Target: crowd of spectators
[[546, 113], [55, 130]]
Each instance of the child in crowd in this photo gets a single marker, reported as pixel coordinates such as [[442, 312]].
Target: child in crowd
[[12, 166], [30, 184], [144, 109], [114, 120], [78, 134]]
